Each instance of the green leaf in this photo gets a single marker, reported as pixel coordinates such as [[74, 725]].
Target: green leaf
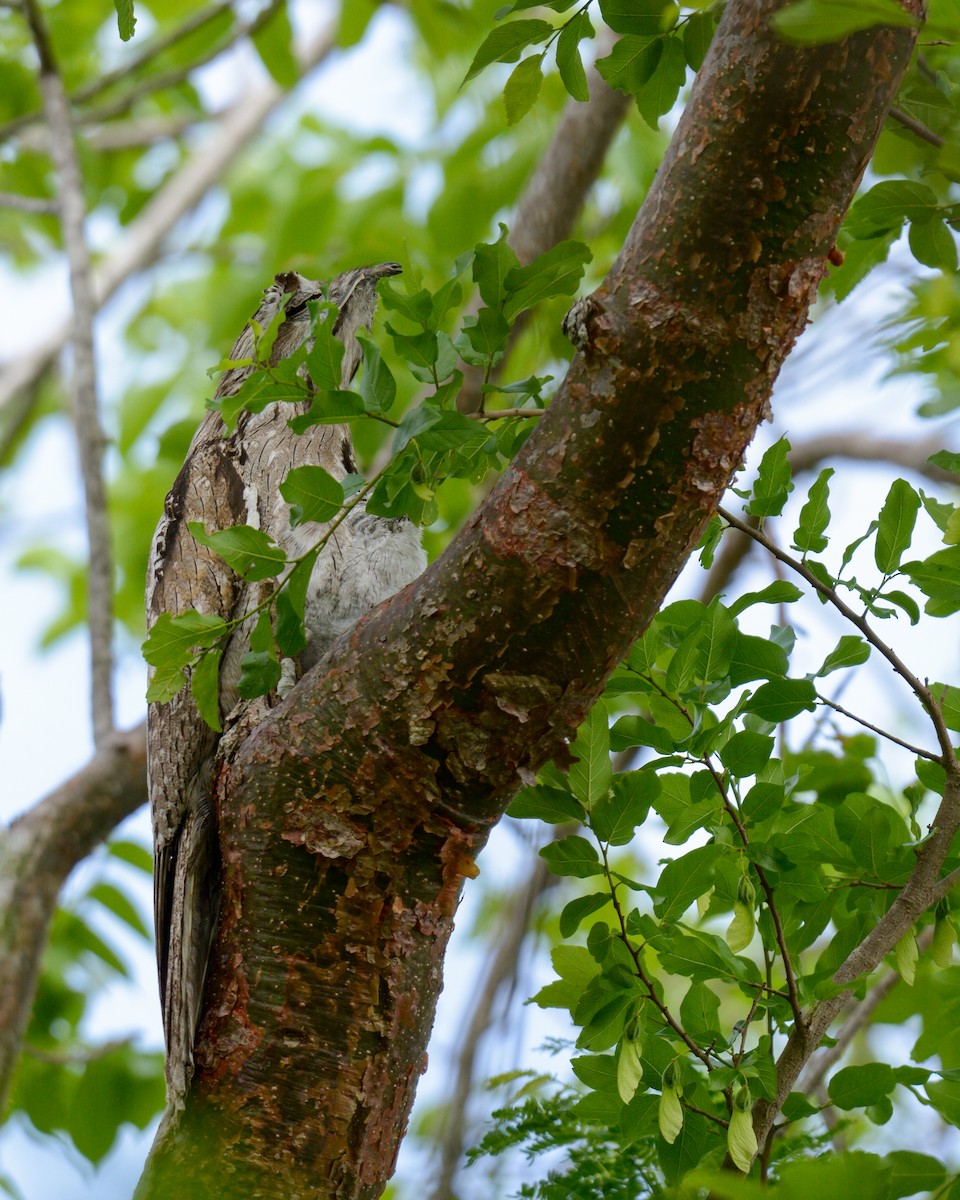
[[377, 384], [325, 357], [614, 817], [933, 244], [700, 1012], [172, 641], [250, 552], [328, 408], [118, 903], [569, 62], [746, 752], [313, 495], [781, 591], [888, 204], [947, 460], [938, 577], [659, 94], [944, 1095], [132, 853], [260, 666], [639, 16], [815, 517], [125, 19], [205, 688], [910, 1172], [556, 273], [850, 651], [273, 41], [505, 43], [856, 1087], [774, 483], [492, 262], [543, 803], [487, 334], [591, 775], [781, 699], [897, 519], [813, 22], [522, 88], [290, 603], [572, 856], [684, 880], [631, 63], [574, 913], [698, 33]]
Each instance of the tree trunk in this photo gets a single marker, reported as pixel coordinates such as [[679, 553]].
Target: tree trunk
[[351, 814]]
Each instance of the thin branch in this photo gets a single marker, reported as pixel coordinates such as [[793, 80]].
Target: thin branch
[[168, 79], [503, 967], [865, 447], [500, 414], [860, 1014], [40, 849], [152, 50], [915, 126], [90, 438], [145, 235], [29, 204], [890, 737], [920, 689]]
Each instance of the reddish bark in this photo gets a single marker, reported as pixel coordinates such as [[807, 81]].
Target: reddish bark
[[351, 814]]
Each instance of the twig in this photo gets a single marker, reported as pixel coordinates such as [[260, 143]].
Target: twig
[[557, 190], [503, 967], [29, 204], [145, 235], [920, 689], [890, 737], [167, 79], [500, 414], [915, 126], [40, 849], [90, 438], [152, 50]]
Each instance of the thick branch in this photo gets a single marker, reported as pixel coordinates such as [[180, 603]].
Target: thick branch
[[37, 853], [349, 817], [90, 439]]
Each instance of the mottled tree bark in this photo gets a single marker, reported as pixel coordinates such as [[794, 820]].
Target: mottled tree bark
[[351, 815]]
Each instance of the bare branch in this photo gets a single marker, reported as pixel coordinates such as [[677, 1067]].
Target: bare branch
[[915, 126], [145, 235], [29, 204], [502, 968], [39, 851], [90, 438], [855, 444], [167, 79], [152, 50], [920, 689]]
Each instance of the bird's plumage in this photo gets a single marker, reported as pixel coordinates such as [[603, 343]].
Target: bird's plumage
[[232, 479]]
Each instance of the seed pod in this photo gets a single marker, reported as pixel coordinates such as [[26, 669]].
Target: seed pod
[[629, 1065], [741, 1139], [906, 953], [944, 939], [670, 1115], [741, 929]]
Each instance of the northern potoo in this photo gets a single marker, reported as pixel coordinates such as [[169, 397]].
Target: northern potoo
[[229, 479]]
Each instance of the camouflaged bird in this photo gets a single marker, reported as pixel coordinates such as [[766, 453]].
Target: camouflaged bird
[[232, 478]]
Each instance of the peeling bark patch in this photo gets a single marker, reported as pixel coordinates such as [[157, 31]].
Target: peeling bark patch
[[542, 534]]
